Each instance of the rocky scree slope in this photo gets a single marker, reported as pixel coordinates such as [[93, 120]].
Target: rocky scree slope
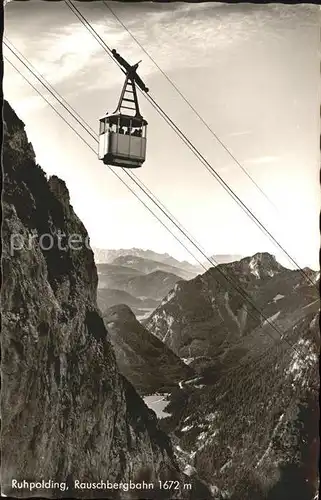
[[249, 422], [141, 357], [67, 412]]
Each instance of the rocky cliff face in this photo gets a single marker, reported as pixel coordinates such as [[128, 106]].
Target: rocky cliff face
[[67, 413]]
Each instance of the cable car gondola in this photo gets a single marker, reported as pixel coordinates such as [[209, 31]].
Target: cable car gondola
[[122, 134]]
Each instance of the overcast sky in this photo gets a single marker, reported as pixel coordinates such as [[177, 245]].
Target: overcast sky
[[251, 71]]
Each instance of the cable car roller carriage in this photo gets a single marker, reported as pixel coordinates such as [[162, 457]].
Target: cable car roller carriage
[[122, 134]]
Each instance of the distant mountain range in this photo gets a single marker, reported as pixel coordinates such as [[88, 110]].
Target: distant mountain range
[[121, 284], [112, 276], [137, 282], [149, 265], [109, 256], [144, 275], [122, 256]]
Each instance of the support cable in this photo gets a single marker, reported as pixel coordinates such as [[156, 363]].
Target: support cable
[[190, 145]]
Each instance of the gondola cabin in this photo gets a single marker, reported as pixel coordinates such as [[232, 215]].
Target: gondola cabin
[[122, 134], [122, 140]]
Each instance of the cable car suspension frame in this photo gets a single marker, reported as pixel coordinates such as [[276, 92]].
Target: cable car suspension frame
[[122, 134]]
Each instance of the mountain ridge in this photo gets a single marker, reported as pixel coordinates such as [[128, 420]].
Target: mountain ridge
[[155, 284], [210, 301], [140, 291], [109, 297], [248, 421], [149, 265], [143, 359], [108, 255]]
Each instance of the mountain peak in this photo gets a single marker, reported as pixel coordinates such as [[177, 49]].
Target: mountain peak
[[262, 264], [264, 257], [59, 189]]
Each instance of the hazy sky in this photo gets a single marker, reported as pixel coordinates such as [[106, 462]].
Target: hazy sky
[[251, 71]]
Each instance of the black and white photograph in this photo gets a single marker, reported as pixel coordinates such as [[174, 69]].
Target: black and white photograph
[[160, 250]]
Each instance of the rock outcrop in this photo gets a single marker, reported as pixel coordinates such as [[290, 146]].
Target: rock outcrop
[[67, 412]]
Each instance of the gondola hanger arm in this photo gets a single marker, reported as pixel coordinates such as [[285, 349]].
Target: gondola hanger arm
[[130, 70]]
